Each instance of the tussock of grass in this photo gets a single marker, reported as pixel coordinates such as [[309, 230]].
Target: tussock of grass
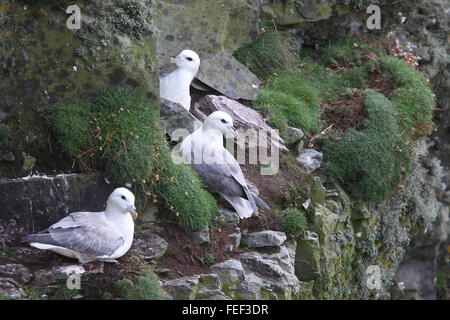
[[178, 187], [413, 99], [146, 287], [119, 133], [290, 102], [293, 222], [344, 51], [4, 131], [268, 54]]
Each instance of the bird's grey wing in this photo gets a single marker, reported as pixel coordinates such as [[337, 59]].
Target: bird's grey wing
[[218, 178], [84, 232], [226, 178]]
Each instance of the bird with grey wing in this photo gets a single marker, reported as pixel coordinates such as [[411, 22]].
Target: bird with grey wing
[[175, 85], [216, 166], [92, 236]]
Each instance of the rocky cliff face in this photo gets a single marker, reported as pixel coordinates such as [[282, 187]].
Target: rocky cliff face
[[351, 250]]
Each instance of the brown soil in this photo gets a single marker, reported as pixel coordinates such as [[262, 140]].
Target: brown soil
[[185, 258], [348, 113], [377, 82], [345, 113]]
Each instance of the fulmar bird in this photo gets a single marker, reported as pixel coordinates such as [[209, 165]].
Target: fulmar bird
[[175, 86], [92, 236], [216, 167]]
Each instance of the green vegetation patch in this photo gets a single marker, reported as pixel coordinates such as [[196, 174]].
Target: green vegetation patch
[[180, 189], [290, 102], [293, 222], [146, 287], [374, 161], [370, 157], [118, 132]]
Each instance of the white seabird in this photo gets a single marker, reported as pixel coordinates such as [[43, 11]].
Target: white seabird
[[92, 236], [216, 166], [175, 85]]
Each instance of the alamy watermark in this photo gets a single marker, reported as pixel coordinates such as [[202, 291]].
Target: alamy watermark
[[373, 281], [374, 20], [257, 144], [74, 281]]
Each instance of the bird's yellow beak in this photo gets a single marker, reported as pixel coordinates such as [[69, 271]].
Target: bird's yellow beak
[[132, 210], [172, 59]]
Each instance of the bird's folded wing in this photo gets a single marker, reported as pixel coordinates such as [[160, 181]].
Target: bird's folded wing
[[224, 177], [84, 232]]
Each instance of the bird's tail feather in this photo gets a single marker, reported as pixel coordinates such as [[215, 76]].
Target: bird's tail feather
[[260, 202], [39, 238], [242, 206]]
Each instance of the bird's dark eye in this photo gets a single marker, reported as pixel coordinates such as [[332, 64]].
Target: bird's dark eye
[[224, 121], [189, 58], [124, 198]]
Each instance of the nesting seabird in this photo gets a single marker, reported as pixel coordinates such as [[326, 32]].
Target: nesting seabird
[[92, 236], [216, 167], [175, 85]]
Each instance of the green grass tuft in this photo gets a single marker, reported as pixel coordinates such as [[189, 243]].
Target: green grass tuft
[[293, 222], [268, 54], [209, 259], [71, 121], [146, 287], [372, 162], [179, 187]]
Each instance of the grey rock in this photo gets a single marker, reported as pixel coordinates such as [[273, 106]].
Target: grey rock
[[299, 146], [200, 237], [267, 238], [229, 271], [310, 159], [307, 259], [227, 248], [291, 12], [173, 116], [16, 271], [210, 288], [52, 276], [91, 48], [248, 121], [181, 288], [293, 135], [236, 237], [256, 262], [162, 272], [9, 157], [149, 245], [255, 275], [228, 217], [214, 30], [206, 294]]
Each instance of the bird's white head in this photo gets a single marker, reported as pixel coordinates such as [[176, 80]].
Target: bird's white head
[[187, 60], [122, 199], [220, 121]]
